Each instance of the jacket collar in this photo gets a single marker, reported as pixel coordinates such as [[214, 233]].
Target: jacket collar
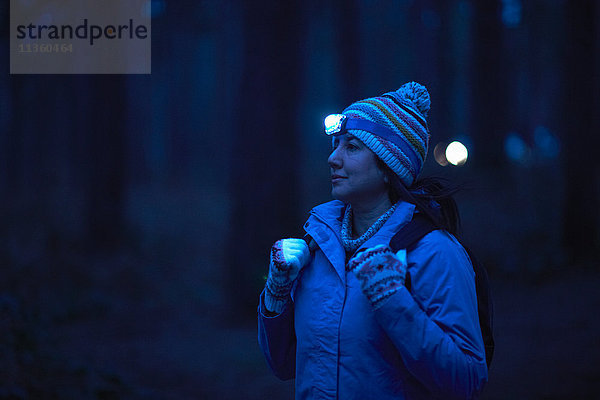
[[325, 225]]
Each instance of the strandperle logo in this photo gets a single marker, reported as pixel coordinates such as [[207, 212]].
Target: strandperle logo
[[83, 31], [80, 37]]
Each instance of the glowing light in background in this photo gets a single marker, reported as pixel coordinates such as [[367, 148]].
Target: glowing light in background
[[439, 154], [457, 153], [511, 13], [516, 149], [546, 144]]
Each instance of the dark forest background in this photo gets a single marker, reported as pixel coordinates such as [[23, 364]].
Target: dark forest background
[[137, 211]]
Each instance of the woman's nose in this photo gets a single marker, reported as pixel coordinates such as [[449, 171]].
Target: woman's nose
[[334, 160]]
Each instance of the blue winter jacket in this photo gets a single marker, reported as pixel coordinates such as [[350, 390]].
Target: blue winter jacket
[[421, 344]]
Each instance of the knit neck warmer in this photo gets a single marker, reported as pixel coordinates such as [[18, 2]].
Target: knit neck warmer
[[350, 245]]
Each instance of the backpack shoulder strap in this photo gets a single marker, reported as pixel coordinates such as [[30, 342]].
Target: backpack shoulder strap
[[411, 233], [409, 236], [485, 306]]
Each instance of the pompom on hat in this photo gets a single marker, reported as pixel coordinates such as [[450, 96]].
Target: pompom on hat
[[393, 126]]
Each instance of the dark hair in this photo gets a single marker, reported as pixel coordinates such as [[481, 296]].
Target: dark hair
[[432, 196]]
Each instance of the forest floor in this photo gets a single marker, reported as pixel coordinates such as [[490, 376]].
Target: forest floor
[[547, 347]]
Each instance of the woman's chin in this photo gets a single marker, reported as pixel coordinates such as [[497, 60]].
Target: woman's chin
[[339, 195]]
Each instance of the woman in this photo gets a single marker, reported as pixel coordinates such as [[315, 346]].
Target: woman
[[340, 318]]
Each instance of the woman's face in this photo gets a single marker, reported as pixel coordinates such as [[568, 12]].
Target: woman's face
[[355, 176]]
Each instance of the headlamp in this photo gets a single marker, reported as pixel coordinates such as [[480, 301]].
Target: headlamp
[[338, 124], [334, 123]]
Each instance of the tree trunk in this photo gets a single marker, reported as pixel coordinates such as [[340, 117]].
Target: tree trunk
[[105, 166], [346, 43], [581, 140], [489, 87], [265, 149]]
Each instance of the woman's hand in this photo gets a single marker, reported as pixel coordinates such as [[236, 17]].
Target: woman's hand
[[380, 272], [288, 257]]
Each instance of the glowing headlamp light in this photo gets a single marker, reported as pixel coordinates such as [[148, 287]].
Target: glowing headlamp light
[[334, 123]]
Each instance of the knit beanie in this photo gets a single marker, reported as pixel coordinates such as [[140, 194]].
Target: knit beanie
[[403, 145]]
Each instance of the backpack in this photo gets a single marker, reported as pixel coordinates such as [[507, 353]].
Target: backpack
[[408, 237]]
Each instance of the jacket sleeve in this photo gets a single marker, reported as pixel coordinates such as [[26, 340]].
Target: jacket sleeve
[[436, 327], [277, 340]]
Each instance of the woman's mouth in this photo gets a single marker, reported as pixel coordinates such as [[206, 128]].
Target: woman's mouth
[[337, 178]]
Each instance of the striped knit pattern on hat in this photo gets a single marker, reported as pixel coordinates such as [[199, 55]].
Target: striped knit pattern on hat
[[404, 112]]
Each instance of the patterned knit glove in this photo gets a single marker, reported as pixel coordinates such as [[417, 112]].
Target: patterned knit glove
[[380, 272], [288, 256]]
